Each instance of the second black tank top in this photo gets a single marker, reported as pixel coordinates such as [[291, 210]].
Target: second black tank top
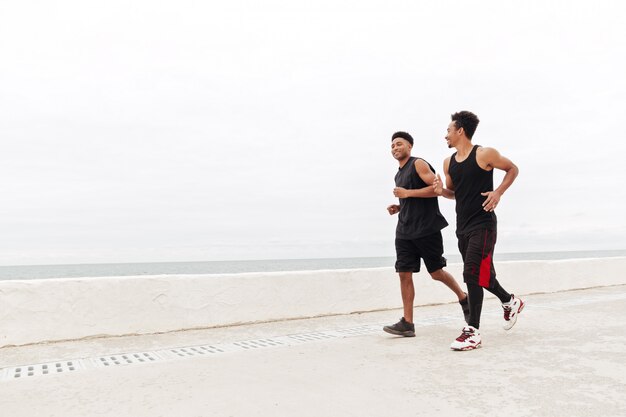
[[470, 180]]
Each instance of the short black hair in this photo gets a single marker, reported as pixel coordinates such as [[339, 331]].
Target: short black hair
[[404, 136], [466, 120]]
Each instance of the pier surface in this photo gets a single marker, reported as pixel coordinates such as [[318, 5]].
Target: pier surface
[[566, 356]]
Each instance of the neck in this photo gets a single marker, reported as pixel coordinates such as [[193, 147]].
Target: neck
[[464, 147]]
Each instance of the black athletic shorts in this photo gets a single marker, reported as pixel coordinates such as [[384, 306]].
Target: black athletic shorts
[[409, 252], [477, 251]]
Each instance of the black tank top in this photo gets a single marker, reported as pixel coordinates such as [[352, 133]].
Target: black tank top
[[418, 217], [469, 181]]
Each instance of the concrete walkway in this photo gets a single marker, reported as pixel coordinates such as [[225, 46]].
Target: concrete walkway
[[565, 357]]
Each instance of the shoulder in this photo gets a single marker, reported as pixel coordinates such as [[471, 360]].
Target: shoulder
[[422, 167], [489, 158], [421, 163], [485, 150], [485, 153]]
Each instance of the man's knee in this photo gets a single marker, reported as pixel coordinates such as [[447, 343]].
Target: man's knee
[[438, 275], [406, 276]]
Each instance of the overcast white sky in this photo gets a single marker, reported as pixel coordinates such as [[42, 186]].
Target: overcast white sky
[[193, 130]]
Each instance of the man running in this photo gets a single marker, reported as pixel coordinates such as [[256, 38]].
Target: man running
[[469, 180], [418, 233]]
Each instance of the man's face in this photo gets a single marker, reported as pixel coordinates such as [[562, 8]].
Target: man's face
[[453, 135], [400, 148]]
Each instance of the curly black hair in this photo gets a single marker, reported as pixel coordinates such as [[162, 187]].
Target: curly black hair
[[466, 120], [404, 136]]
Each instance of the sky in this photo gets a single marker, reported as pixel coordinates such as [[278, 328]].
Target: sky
[[184, 130]]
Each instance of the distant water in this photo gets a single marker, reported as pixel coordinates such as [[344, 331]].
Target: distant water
[[225, 267]]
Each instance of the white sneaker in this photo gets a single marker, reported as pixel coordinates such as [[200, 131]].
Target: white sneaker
[[511, 311], [469, 339]]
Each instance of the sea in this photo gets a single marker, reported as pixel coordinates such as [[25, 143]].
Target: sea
[[25, 272]]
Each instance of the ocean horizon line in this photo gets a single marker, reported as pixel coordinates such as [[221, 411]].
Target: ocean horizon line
[[606, 252], [112, 269]]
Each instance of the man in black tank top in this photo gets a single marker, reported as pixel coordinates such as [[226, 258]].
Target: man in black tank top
[[418, 234], [469, 180]]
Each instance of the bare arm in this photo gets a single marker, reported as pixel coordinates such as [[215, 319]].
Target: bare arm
[[447, 192], [423, 170], [491, 158]]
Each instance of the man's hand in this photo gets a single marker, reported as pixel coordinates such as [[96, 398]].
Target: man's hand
[[393, 209], [438, 185], [492, 200], [401, 192]]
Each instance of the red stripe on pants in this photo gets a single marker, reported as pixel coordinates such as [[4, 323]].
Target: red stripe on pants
[[485, 272], [484, 275]]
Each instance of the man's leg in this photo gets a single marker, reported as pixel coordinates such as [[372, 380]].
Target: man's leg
[[478, 270], [497, 290], [479, 273], [407, 262], [448, 280], [471, 247], [511, 305], [431, 249], [408, 294], [476, 295], [405, 326]]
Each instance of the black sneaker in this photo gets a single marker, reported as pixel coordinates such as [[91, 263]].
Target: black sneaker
[[401, 328], [466, 309]]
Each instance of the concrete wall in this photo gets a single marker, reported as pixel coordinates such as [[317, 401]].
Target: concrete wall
[[33, 311]]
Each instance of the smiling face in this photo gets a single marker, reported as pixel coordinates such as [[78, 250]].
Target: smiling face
[[453, 135], [400, 149]]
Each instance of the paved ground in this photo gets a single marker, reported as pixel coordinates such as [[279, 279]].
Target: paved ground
[[565, 357]]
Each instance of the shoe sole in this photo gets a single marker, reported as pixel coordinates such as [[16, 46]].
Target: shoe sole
[[519, 310], [397, 333], [473, 347]]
